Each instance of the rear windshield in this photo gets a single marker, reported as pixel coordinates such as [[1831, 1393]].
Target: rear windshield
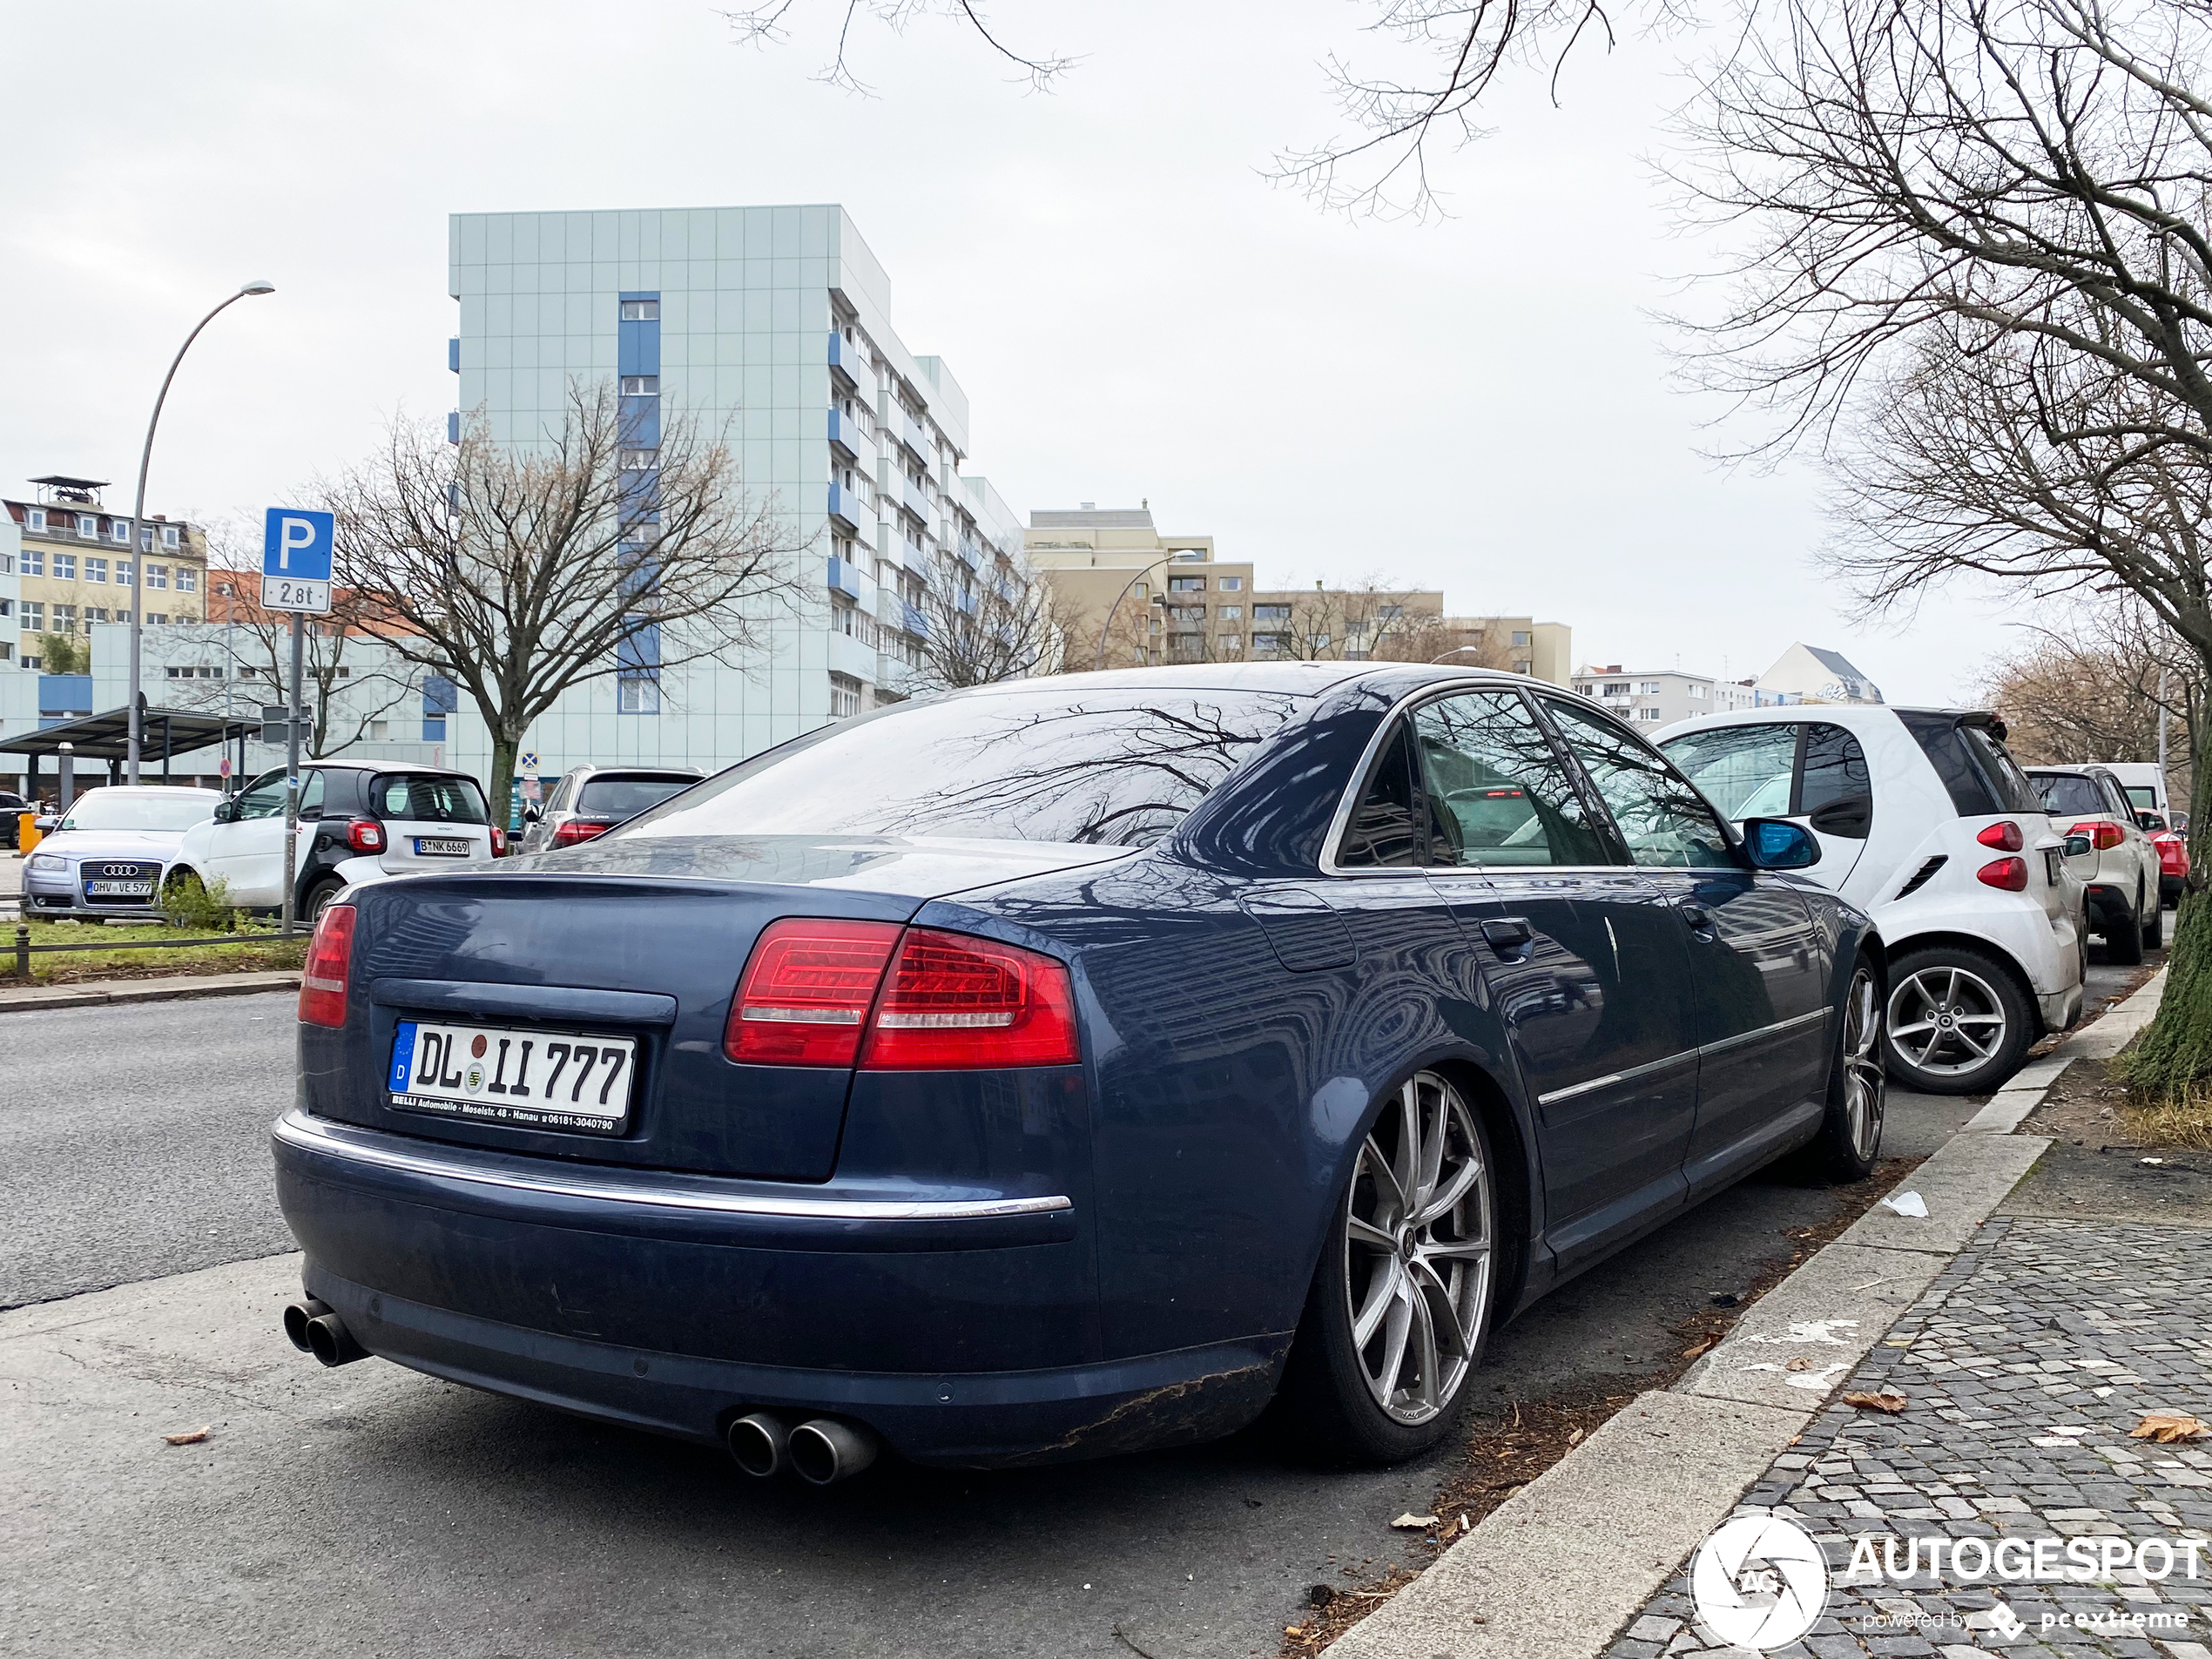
[[627, 797], [1981, 778], [105, 810], [2065, 795], [1117, 768], [427, 798]]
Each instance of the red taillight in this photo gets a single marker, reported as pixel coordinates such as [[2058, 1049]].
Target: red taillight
[[955, 1002], [2011, 875], [365, 835], [498, 842], [2103, 835], [949, 1001], [806, 994], [2005, 837], [570, 831], [330, 956]]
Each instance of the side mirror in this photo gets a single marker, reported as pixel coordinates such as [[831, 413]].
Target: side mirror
[[226, 811], [1777, 844], [533, 814], [2149, 821], [2077, 844]]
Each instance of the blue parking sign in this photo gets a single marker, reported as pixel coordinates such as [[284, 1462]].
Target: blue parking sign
[[297, 544]]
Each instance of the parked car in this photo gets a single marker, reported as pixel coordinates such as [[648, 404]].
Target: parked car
[[1062, 1068], [1926, 822], [12, 806], [591, 800], [106, 855], [2173, 849], [358, 818], [2144, 782], [2122, 876]]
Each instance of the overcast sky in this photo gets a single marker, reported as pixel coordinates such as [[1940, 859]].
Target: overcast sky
[[1480, 404]]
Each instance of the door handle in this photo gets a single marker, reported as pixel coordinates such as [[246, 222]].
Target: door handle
[[1508, 934], [1699, 918]]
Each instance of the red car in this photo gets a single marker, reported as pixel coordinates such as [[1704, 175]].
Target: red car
[[2172, 856]]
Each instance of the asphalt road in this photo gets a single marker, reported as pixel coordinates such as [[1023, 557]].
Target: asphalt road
[[132, 1145]]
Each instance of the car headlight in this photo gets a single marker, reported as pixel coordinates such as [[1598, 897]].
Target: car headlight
[[48, 861]]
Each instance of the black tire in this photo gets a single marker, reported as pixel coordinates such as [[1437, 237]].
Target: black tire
[[1327, 1408], [2124, 935], [1850, 1142], [2154, 927], [318, 898], [1938, 1058]]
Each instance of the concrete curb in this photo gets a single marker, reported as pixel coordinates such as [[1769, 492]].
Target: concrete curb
[[1559, 1567], [100, 993]]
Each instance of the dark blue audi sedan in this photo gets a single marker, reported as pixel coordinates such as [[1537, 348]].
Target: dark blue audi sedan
[[1067, 1067]]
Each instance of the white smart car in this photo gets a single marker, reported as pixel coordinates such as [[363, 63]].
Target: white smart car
[[1927, 824]]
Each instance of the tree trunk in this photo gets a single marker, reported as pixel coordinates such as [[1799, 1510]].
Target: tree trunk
[[2174, 1059], [499, 788]]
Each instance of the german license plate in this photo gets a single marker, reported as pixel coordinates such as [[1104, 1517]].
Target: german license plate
[[538, 1079], [438, 846], [118, 889]]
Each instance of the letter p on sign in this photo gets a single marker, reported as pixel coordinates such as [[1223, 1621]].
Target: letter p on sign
[[297, 544]]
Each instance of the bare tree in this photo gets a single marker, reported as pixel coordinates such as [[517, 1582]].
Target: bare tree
[[1373, 619], [2096, 686], [989, 627], [765, 23], [520, 573]]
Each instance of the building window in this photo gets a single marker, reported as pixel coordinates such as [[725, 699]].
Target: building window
[[1233, 584], [1524, 668], [187, 579], [1231, 613], [35, 518], [1390, 613], [845, 695], [1186, 585], [96, 571], [123, 568], [1270, 645], [641, 386], [94, 613], [88, 526], [64, 566], [169, 536], [1697, 692], [1647, 714], [641, 311], [1648, 688], [157, 576], [1231, 645], [638, 671], [124, 614], [1519, 636], [34, 562], [64, 619], [122, 531], [1269, 613], [155, 618], [1187, 613], [34, 615], [1616, 688]]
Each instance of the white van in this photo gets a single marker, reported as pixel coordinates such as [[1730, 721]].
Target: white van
[[2144, 782]]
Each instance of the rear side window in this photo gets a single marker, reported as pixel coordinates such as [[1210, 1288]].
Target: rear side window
[[2007, 781], [427, 798], [2067, 795], [627, 797], [2119, 807], [1499, 795], [1744, 770], [1381, 829], [1835, 770]]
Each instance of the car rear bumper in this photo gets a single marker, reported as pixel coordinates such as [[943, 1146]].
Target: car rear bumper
[[963, 1330]]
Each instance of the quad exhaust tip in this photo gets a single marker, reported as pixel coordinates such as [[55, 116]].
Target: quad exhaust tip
[[313, 1328], [821, 1450]]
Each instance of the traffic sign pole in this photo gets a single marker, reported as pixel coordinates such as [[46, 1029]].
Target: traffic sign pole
[[292, 766]]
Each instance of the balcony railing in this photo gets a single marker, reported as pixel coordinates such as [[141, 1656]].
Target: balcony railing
[[842, 577], [843, 431], [851, 359], [845, 504], [916, 498], [914, 622]]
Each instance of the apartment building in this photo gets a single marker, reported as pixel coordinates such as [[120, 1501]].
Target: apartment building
[[74, 566], [1650, 698], [11, 591], [773, 325], [1811, 674]]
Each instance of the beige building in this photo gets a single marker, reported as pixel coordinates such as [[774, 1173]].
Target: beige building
[[1153, 596], [74, 566]]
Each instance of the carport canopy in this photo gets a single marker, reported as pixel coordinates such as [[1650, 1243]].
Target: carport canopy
[[163, 733]]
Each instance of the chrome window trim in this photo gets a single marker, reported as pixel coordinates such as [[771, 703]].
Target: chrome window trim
[[296, 1128]]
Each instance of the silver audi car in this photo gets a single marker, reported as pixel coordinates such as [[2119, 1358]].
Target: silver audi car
[[107, 856]]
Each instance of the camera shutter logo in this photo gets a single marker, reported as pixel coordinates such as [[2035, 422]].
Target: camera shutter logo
[[1759, 1581]]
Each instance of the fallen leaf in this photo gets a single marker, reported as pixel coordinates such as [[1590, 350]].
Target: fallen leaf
[[1798, 1364], [2167, 1427], [1576, 1438], [1888, 1400], [1411, 1522], [1294, 1629], [1692, 1352], [195, 1436]]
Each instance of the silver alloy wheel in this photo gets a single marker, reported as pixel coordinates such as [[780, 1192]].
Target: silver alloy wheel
[[1865, 1081], [1418, 1245], [1946, 1020]]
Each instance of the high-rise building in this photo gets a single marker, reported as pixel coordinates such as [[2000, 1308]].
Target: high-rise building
[[773, 325]]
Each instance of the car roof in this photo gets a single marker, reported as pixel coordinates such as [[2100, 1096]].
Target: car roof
[[391, 766], [595, 768], [1191, 676], [148, 789]]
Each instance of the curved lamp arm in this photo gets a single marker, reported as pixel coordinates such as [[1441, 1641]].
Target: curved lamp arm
[[1116, 606]]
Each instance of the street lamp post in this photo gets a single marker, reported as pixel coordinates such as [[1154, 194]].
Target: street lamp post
[[139, 528], [1116, 606], [1456, 650]]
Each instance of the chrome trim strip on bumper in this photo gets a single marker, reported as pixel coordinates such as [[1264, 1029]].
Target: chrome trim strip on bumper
[[1698, 1053], [296, 1128]]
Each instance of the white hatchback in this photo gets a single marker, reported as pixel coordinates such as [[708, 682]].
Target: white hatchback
[[1927, 824]]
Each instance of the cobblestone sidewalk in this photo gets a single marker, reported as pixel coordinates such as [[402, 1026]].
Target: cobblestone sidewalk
[[2024, 1367]]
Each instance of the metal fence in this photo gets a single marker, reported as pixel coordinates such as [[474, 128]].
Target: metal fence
[[25, 950]]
